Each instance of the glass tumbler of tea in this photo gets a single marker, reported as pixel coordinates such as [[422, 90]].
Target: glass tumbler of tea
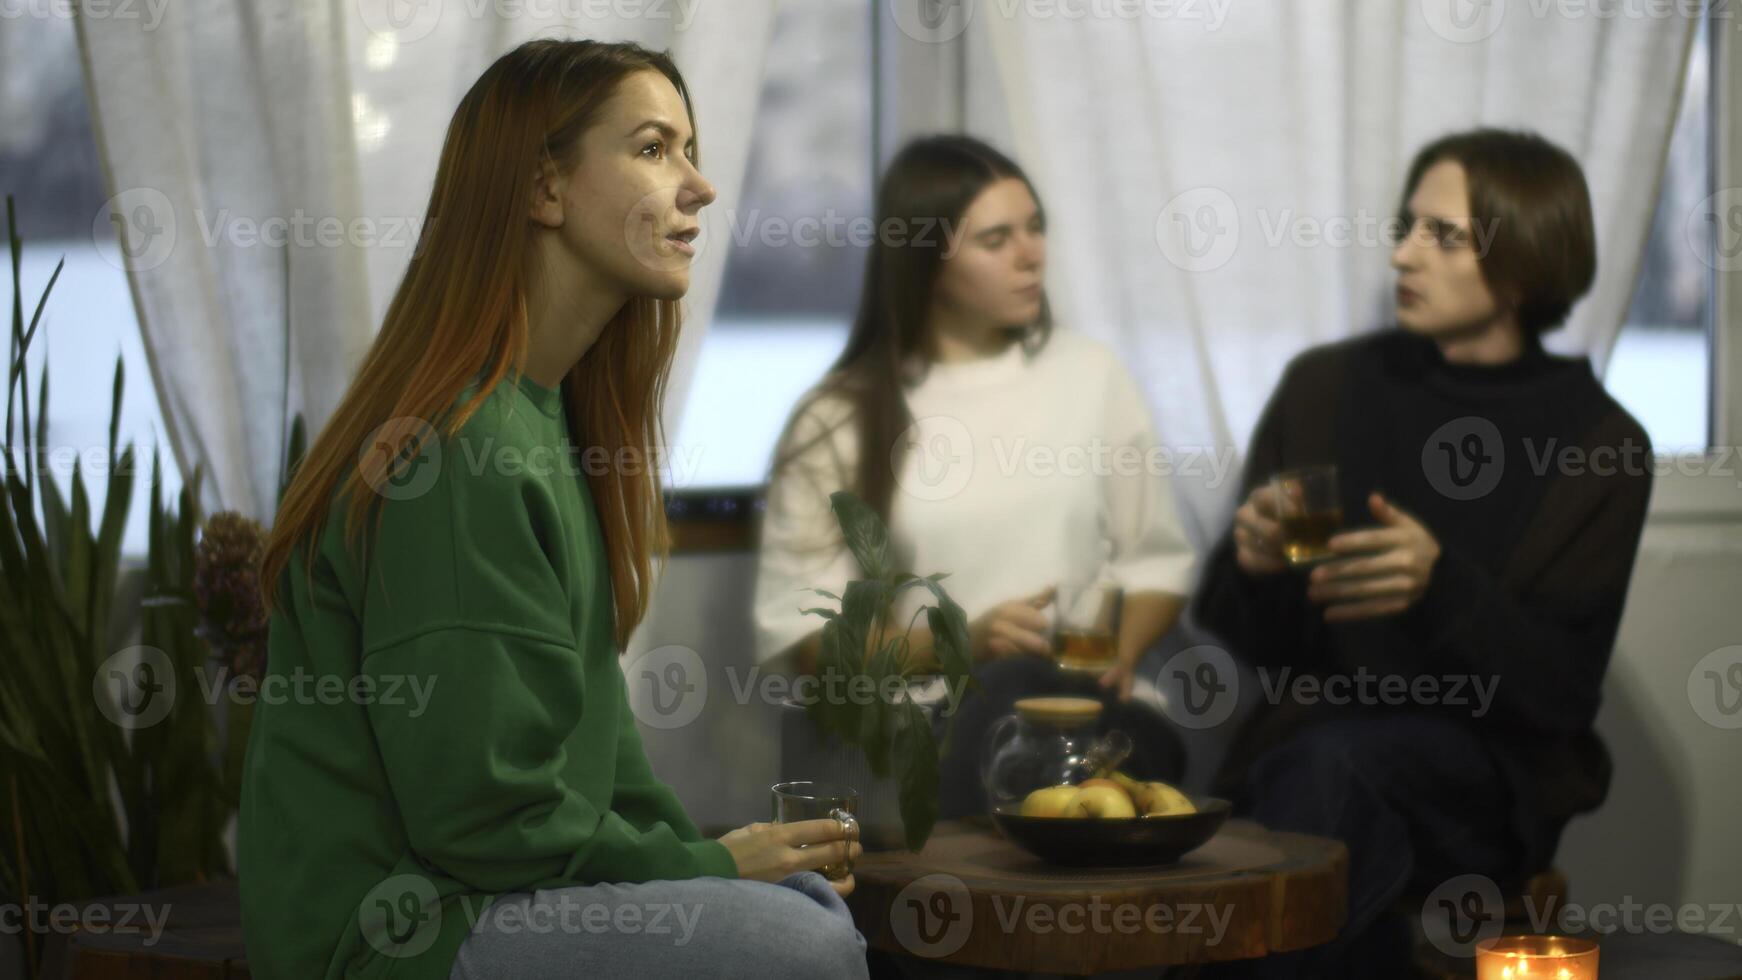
[[1310, 512], [806, 800], [1086, 632]]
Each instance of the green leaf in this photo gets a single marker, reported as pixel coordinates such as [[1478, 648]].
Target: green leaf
[[877, 726], [916, 763], [833, 714], [864, 533], [861, 611], [949, 630]]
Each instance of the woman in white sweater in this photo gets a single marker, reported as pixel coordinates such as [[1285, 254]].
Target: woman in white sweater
[[1019, 458]]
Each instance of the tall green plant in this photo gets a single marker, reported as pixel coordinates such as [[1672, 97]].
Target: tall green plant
[[65, 738], [895, 734]]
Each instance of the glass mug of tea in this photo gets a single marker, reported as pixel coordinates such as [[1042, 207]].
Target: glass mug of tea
[[1086, 628], [806, 800], [1310, 512]]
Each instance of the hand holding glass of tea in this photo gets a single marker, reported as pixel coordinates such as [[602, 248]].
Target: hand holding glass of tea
[[822, 823], [1375, 572], [1015, 627], [1258, 533], [1288, 522]]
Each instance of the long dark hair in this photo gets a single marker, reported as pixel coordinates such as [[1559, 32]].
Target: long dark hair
[[926, 190], [461, 310]]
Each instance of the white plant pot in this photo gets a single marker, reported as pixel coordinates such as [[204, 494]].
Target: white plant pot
[[806, 753]]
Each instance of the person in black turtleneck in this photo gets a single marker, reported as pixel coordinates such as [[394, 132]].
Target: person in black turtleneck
[[1506, 493]]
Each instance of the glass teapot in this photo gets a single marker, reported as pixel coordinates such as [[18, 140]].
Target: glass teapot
[[1048, 741]]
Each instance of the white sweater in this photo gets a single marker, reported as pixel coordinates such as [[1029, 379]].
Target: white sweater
[[1024, 472]]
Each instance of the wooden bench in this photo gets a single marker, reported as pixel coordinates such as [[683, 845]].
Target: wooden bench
[[201, 937]]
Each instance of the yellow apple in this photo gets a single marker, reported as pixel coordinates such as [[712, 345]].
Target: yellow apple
[[1100, 801], [1110, 784], [1161, 800], [1048, 801]]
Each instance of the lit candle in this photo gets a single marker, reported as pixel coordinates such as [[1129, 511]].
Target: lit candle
[[1536, 958]]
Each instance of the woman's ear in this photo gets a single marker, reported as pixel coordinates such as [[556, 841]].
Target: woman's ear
[[547, 196]]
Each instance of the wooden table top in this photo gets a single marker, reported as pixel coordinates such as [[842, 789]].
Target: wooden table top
[[974, 898]]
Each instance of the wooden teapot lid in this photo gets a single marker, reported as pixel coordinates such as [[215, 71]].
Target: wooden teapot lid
[[1057, 710]]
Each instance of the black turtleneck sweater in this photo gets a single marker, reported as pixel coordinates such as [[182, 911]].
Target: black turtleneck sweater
[[1535, 484]]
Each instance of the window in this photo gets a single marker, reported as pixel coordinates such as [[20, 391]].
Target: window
[[792, 277], [49, 164], [1660, 369]]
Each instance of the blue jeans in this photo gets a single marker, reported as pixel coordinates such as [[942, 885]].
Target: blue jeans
[[699, 927]]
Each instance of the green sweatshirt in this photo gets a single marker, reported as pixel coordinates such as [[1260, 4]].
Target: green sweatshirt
[[449, 721]]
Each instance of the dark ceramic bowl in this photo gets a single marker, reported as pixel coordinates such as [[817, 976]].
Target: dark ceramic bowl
[[1128, 842]]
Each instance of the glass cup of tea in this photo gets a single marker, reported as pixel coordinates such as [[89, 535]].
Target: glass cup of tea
[[1086, 630], [806, 800], [1310, 512]]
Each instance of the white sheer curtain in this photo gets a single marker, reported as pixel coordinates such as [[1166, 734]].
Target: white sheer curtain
[[1216, 177], [226, 128]]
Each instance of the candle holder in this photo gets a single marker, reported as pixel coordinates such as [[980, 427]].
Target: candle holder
[[1536, 958]]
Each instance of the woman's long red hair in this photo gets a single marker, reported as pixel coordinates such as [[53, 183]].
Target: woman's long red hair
[[461, 311]]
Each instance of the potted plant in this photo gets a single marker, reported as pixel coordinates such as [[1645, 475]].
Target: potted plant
[[864, 727], [102, 793]]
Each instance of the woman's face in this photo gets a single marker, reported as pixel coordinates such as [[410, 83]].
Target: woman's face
[[628, 209], [1440, 289], [995, 260]]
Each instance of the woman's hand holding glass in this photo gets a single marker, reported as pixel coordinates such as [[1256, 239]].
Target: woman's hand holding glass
[[772, 851], [1014, 627]]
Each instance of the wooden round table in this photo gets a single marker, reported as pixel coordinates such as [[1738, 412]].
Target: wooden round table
[[973, 898]]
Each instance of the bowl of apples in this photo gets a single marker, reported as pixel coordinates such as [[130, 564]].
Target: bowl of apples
[[1110, 821]]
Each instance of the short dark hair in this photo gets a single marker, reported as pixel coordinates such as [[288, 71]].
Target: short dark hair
[[1532, 193]]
